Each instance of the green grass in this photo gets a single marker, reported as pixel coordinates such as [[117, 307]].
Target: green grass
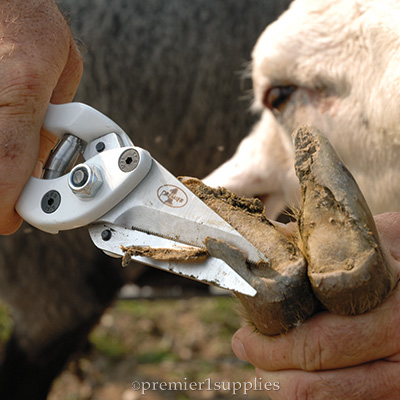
[[136, 308], [107, 344], [6, 324], [156, 356]]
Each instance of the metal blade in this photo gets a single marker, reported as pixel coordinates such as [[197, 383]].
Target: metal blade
[[212, 270], [162, 206]]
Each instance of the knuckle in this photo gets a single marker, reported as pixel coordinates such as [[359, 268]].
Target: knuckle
[[334, 389], [317, 388], [312, 355], [75, 58], [74, 63], [301, 390], [22, 86]]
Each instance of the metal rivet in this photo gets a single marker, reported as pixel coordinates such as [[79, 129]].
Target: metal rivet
[[100, 147], [51, 201], [129, 160], [106, 235]]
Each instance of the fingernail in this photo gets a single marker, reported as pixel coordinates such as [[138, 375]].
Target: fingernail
[[238, 349]]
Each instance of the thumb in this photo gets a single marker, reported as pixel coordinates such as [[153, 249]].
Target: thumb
[[388, 226], [64, 92]]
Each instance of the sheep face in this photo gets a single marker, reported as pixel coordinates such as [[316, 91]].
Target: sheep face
[[335, 65]]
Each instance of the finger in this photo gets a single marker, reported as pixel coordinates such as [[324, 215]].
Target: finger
[[329, 341], [325, 341], [47, 143], [35, 64], [388, 226], [374, 381], [18, 153], [289, 230], [70, 78], [64, 92]]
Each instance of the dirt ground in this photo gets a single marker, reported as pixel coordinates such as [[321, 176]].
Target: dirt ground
[[159, 350]]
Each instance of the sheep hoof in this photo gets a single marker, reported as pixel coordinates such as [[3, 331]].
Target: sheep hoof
[[346, 265], [284, 296]]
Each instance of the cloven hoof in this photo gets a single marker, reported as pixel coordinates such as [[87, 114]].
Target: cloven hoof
[[341, 262], [346, 264]]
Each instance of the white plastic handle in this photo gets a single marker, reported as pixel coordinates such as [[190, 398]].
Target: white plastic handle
[[69, 210], [50, 204], [82, 121]]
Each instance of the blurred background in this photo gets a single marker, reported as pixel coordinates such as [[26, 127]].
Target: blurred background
[[174, 74]]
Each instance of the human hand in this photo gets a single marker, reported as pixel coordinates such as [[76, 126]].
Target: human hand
[[40, 63], [331, 356]]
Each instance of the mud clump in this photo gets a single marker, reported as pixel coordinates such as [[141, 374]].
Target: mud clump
[[164, 254]]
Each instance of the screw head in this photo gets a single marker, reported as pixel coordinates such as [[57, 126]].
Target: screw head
[[50, 201], [128, 160], [106, 235], [100, 147]]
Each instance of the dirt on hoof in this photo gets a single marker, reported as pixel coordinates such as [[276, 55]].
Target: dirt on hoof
[[164, 254], [346, 265], [284, 297]]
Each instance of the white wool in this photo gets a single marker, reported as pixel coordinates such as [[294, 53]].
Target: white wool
[[344, 58]]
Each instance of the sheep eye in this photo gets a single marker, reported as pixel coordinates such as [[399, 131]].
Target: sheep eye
[[276, 97]]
